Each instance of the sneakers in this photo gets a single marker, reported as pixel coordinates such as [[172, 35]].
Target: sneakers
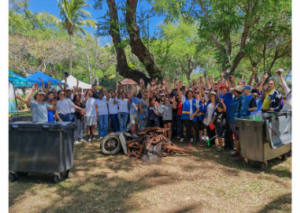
[[76, 142], [235, 154], [82, 140], [191, 140], [200, 143], [181, 140], [177, 137], [101, 138], [135, 136], [90, 138], [189, 144], [219, 149], [170, 140], [231, 152]]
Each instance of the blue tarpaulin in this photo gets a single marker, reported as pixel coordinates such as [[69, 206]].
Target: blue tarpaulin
[[45, 78], [19, 81]]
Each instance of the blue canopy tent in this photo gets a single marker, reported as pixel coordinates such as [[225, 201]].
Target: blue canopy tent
[[19, 81], [45, 78]]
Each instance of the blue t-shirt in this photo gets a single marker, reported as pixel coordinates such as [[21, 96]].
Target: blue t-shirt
[[131, 108], [238, 108], [227, 99]]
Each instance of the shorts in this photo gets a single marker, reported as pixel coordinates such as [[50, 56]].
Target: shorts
[[235, 131], [167, 122], [201, 125], [134, 119], [90, 120], [220, 132]]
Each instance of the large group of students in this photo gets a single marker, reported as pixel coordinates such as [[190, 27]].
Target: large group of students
[[206, 107]]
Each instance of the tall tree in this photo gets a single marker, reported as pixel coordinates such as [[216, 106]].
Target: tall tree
[[135, 41], [74, 19]]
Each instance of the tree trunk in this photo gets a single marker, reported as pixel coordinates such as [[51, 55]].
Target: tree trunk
[[122, 66], [70, 54], [116, 79]]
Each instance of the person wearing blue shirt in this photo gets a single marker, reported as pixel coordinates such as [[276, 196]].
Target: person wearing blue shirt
[[226, 95], [238, 109], [252, 102]]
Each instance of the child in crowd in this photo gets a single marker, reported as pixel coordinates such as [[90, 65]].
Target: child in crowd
[[220, 120], [167, 115]]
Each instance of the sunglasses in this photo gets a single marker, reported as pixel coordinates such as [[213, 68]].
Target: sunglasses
[[62, 94]]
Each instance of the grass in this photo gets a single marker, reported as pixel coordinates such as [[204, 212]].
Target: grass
[[207, 181]]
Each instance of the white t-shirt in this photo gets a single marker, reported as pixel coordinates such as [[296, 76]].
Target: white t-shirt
[[183, 98], [102, 107], [113, 108], [209, 111], [64, 107], [123, 105], [90, 107], [72, 108]]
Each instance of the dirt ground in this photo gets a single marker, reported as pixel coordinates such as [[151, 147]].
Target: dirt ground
[[207, 181]]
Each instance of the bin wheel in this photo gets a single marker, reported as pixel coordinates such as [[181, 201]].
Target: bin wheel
[[289, 153], [13, 177], [56, 179], [263, 165], [251, 163], [283, 157]]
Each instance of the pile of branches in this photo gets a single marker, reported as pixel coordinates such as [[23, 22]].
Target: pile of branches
[[152, 145]]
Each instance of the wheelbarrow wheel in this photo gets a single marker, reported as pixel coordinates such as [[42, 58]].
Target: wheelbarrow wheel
[[263, 165], [56, 179], [13, 177], [284, 157]]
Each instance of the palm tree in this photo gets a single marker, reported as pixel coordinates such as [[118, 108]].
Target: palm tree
[[74, 19]]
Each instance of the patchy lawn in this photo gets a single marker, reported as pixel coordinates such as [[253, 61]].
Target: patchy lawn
[[207, 181]]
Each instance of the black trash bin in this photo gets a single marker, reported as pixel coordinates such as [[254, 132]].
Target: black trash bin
[[41, 147]]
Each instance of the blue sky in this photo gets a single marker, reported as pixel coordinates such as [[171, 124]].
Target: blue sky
[[50, 6]]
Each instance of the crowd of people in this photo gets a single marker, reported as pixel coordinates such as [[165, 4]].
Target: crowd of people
[[206, 107]]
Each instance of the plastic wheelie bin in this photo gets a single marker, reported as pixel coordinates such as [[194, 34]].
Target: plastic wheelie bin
[[265, 136], [41, 147]]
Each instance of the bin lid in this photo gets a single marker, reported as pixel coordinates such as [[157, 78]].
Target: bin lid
[[56, 125]]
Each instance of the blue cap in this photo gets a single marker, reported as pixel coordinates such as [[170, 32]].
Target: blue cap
[[247, 87]]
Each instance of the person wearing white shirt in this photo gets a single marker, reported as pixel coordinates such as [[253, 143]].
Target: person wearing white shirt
[[113, 111], [90, 117], [64, 106], [287, 91], [123, 103], [102, 112]]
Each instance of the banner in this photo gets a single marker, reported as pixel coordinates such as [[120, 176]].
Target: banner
[[12, 105]]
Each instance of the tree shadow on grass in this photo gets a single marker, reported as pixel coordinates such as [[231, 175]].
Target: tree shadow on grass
[[223, 158], [280, 204]]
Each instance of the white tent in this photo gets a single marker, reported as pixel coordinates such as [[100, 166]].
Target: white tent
[[72, 82]]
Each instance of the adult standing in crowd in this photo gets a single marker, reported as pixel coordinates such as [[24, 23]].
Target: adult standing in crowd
[[64, 106], [102, 113], [134, 117], [142, 105], [167, 115], [90, 118], [272, 98], [78, 134], [190, 110], [113, 111], [37, 106], [123, 103], [251, 100], [238, 108], [287, 91]]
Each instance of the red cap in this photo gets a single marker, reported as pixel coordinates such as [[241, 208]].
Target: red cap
[[222, 87]]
